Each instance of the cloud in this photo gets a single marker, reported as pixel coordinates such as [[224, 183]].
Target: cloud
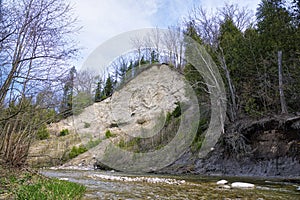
[[102, 20], [213, 4]]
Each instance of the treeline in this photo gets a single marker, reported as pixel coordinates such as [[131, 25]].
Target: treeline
[[258, 55], [258, 59]]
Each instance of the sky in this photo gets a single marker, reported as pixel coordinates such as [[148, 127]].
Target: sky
[[104, 19]]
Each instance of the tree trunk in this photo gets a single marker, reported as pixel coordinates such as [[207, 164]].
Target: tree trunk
[[233, 113], [281, 93]]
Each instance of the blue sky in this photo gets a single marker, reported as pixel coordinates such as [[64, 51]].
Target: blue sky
[[103, 19]]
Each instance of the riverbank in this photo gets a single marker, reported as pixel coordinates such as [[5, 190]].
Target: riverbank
[[120, 185], [266, 147], [28, 184]]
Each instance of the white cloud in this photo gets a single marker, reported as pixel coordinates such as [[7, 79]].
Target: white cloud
[[213, 4], [103, 19]]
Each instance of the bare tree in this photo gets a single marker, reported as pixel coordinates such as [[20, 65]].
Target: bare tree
[[280, 80], [208, 28], [86, 82], [38, 44], [138, 44], [35, 45], [173, 40]]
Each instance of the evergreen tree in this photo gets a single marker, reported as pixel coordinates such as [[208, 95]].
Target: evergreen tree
[[154, 57], [67, 102], [274, 25], [108, 88], [98, 92]]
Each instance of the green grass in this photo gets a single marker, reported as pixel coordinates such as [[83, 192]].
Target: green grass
[[31, 186], [45, 189]]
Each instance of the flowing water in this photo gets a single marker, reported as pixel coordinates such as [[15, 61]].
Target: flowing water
[[115, 185]]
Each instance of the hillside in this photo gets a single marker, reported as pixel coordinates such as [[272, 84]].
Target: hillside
[[139, 107]]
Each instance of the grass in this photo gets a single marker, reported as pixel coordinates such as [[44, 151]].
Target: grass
[[27, 185]]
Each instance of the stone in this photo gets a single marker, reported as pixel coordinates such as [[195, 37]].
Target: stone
[[224, 187], [222, 182], [63, 179], [242, 185]]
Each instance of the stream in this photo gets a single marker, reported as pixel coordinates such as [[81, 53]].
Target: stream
[[117, 185]]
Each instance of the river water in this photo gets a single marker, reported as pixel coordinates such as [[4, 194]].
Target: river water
[[116, 185]]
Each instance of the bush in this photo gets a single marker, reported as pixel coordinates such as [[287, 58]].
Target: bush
[[109, 134], [76, 151], [64, 132], [86, 125], [122, 143], [42, 133], [92, 143], [175, 114]]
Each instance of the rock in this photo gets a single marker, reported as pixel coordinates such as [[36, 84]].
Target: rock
[[242, 185], [155, 180], [222, 182], [63, 179], [298, 189], [224, 187]]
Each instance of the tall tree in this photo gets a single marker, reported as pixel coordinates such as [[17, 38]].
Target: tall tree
[[98, 92], [35, 44], [274, 25], [67, 101], [108, 88]]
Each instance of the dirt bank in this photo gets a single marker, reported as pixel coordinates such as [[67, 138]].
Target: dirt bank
[[266, 147]]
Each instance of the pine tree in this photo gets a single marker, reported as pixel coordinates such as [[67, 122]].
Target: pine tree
[[108, 88], [98, 92], [67, 102], [274, 25]]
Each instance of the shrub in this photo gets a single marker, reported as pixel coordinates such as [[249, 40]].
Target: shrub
[[122, 143], [42, 133], [76, 151], [175, 114], [86, 125], [92, 143], [64, 132], [109, 134]]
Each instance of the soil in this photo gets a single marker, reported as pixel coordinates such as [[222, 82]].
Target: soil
[[266, 147]]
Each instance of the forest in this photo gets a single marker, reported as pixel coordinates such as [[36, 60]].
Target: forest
[[258, 56]]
